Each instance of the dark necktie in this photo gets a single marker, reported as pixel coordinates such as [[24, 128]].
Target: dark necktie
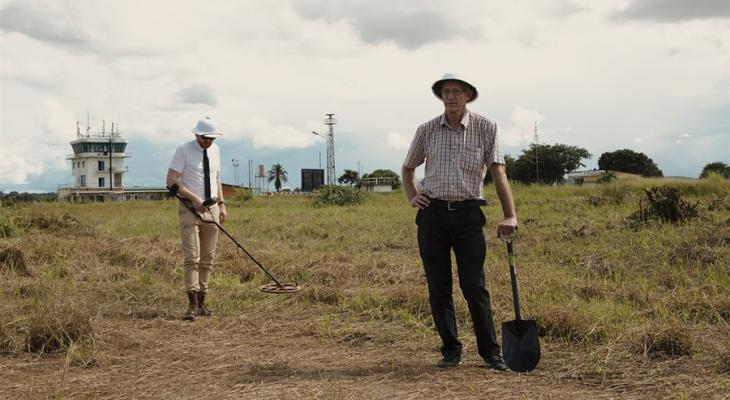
[[206, 173]]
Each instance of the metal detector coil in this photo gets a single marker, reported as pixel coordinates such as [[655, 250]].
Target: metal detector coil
[[280, 288]]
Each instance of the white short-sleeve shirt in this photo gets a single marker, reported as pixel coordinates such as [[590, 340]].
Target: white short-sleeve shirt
[[188, 161]]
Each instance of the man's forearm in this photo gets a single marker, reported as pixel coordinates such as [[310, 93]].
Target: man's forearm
[[220, 189], [409, 182], [504, 191]]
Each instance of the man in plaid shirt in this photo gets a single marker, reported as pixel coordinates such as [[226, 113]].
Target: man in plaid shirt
[[458, 147]]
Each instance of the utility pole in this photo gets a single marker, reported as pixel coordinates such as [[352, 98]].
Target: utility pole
[[111, 151], [330, 122], [250, 165], [537, 163]]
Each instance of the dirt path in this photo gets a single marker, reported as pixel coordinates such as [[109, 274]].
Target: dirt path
[[245, 358]]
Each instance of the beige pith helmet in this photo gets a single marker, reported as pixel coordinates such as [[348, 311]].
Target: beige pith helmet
[[436, 87], [206, 128]]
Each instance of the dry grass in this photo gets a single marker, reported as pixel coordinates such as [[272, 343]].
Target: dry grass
[[626, 311]]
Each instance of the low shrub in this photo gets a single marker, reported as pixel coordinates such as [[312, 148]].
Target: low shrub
[[241, 195], [665, 203], [332, 195]]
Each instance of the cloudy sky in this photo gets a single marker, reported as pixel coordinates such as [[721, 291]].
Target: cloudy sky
[[649, 75]]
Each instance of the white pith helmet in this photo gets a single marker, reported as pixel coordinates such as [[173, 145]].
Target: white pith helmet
[[206, 128], [436, 87]]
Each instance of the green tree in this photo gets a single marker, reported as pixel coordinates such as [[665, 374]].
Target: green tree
[[717, 167], [626, 160], [277, 174], [384, 173], [350, 177], [509, 163], [554, 162]]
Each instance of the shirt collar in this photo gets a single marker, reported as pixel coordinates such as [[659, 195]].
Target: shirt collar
[[464, 119]]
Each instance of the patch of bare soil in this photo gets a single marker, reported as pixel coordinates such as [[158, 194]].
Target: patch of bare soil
[[283, 357]]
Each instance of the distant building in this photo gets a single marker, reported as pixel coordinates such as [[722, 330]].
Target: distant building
[[594, 177], [312, 179], [97, 166], [378, 184]]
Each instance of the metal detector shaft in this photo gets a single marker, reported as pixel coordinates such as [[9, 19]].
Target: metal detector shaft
[[240, 246]]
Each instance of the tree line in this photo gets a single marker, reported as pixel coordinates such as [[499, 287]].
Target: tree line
[[539, 163], [549, 164]]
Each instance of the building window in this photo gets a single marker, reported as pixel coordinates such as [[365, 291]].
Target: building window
[[83, 164], [83, 180], [101, 165], [101, 181]]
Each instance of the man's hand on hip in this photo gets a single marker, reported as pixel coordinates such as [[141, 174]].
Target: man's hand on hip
[[420, 200]]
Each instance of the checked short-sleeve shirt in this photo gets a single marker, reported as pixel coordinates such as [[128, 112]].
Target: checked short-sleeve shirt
[[456, 159]]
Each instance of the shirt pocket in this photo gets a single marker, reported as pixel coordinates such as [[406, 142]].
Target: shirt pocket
[[473, 159]]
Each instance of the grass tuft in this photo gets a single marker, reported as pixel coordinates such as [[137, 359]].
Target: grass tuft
[[13, 259], [667, 341]]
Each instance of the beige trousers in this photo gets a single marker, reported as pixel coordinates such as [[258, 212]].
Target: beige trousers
[[199, 240]]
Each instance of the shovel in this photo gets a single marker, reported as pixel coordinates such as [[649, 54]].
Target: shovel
[[520, 344]]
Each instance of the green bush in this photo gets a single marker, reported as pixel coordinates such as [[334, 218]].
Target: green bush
[[241, 195], [332, 195], [7, 226]]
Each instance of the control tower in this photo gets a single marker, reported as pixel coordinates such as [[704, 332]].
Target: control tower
[[98, 160]]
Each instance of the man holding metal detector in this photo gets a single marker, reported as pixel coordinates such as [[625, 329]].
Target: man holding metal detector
[[194, 176], [458, 147]]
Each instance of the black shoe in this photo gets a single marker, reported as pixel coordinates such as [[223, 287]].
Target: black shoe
[[449, 362], [496, 362]]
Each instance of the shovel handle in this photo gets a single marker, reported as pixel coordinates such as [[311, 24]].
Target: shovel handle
[[513, 278]]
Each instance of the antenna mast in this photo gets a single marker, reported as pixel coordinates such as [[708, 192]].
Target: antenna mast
[[330, 122]]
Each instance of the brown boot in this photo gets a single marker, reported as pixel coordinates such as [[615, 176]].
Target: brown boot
[[192, 306], [203, 310]]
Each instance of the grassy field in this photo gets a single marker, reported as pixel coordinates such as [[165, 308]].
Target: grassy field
[[92, 297]]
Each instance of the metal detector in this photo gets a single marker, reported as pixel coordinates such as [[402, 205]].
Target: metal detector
[[276, 286]]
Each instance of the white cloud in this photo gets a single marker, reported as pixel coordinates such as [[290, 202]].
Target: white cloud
[[266, 135], [397, 140], [520, 129], [47, 23], [17, 168], [674, 10], [409, 24], [268, 71], [197, 94]]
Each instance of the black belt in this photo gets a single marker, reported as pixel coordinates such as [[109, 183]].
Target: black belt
[[457, 205]]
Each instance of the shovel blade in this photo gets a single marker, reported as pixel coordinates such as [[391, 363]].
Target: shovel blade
[[520, 345]]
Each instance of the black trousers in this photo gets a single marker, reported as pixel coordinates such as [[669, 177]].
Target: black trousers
[[440, 230]]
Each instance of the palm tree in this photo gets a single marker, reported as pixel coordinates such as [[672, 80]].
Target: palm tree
[[277, 174]]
